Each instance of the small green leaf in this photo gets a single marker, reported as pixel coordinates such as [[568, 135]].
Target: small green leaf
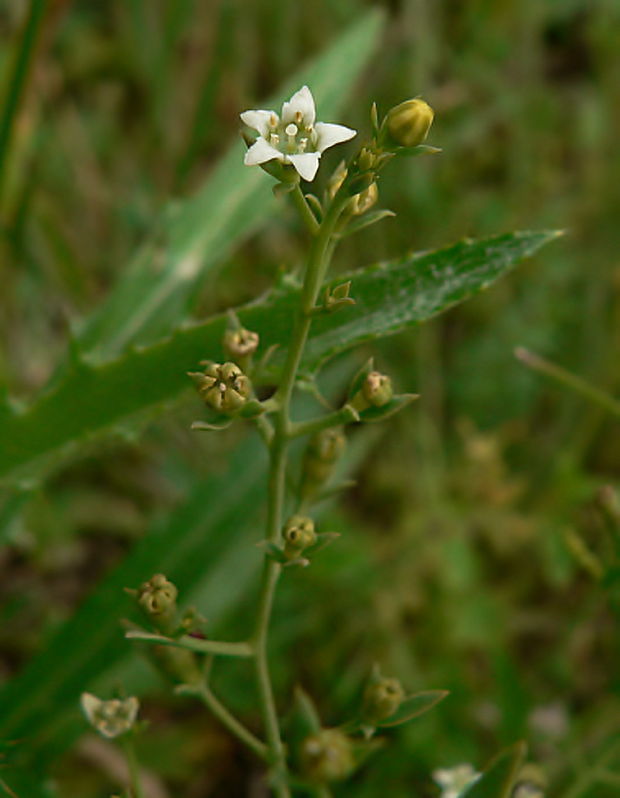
[[499, 775], [361, 222], [395, 404], [414, 706]]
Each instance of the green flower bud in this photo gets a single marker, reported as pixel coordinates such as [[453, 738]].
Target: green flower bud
[[224, 387], [240, 343], [366, 160], [337, 179], [110, 718], [382, 698], [298, 535], [408, 123], [364, 201], [327, 755], [377, 389], [322, 453], [158, 598]]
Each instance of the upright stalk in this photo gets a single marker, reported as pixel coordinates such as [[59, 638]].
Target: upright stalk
[[278, 456]]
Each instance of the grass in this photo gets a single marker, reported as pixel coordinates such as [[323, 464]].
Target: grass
[[453, 568]]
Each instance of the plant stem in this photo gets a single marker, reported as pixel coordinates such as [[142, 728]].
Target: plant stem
[[228, 720], [315, 272], [568, 379], [344, 415], [223, 648], [133, 767], [305, 211]]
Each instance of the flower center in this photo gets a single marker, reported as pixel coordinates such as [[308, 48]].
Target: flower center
[[293, 138]]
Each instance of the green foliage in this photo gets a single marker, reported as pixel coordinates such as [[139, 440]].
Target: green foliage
[[499, 775], [389, 298], [452, 565]]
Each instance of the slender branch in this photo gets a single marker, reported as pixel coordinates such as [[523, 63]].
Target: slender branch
[[305, 211], [568, 379], [133, 767], [226, 718], [315, 272], [220, 647], [344, 415]]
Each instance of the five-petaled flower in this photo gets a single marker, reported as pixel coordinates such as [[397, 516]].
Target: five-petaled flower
[[295, 138]]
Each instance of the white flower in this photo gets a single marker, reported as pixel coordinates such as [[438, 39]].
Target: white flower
[[453, 781], [295, 138], [110, 718]]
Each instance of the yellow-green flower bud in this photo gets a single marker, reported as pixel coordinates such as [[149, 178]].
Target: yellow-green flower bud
[[377, 389], [298, 535], [408, 123], [110, 718], [381, 699], [337, 179], [240, 343], [327, 755], [158, 598], [364, 201], [323, 451], [224, 387], [366, 160]]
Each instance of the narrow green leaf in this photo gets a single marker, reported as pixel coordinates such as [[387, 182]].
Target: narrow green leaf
[[499, 775], [395, 404], [92, 399], [155, 291], [414, 706]]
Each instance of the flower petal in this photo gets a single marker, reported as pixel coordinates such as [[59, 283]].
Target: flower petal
[[261, 152], [259, 120], [327, 135], [306, 164], [303, 102]]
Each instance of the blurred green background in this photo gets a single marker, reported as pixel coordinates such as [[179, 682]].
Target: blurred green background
[[453, 569]]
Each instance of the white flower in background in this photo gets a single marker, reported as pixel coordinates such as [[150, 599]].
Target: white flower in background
[[454, 780], [110, 718], [295, 138]]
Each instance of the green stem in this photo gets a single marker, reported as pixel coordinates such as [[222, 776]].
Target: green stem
[[345, 415], [133, 767], [315, 273], [568, 379], [227, 719], [305, 211], [220, 647]]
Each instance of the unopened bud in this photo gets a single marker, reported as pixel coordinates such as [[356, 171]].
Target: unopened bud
[[224, 387], [377, 389], [408, 123], [382, 697], [240, 344], [158, 598], [327, 755], [364, 201], [366, 160], [110, 718], [337, 179], [298, 535], [324, 449]]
